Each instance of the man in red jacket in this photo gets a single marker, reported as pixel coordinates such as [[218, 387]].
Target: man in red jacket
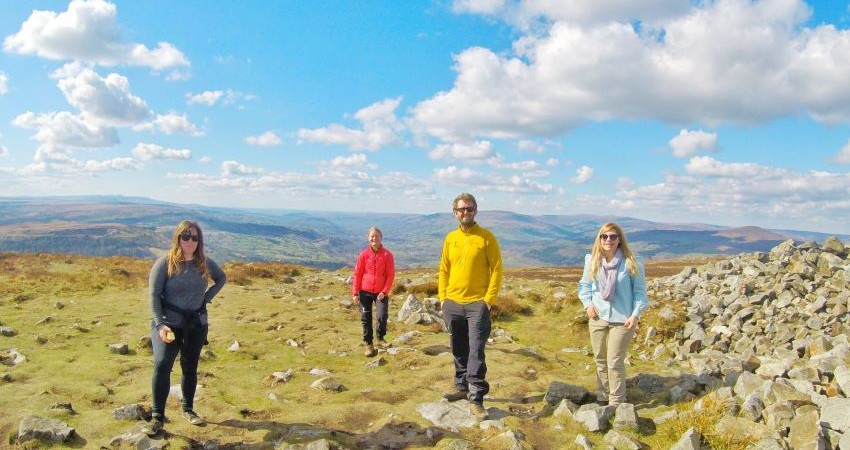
[[373, 278]]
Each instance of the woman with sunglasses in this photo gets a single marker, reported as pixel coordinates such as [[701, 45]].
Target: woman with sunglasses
[[613, 291], [179, 292]]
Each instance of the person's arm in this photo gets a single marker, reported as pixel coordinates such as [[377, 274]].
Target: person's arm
[[585, 289], [156, 289], [443, 277], [641, 301], [494, 260], [219, 279], [390, 274], [357, 278]]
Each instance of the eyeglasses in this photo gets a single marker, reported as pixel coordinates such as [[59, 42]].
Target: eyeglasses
[[465, 209], [608, 237], [186, 237]]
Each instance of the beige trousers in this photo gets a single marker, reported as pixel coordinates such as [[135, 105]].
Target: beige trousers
[[610, 342]]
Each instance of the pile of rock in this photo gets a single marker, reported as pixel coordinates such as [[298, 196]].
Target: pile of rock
[[767, 333]]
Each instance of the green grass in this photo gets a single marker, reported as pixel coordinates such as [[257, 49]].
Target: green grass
[[105, 302]]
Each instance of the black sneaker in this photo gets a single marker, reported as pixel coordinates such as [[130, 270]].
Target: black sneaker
[[193, 418], [455, 395], [153, 427]]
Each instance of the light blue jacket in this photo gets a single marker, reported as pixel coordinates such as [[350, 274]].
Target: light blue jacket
[[629, 297]]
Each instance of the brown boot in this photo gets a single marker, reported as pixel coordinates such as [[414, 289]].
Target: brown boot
[[370, 351]]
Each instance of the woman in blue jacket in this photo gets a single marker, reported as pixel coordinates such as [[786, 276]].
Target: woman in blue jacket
[[613, 292]]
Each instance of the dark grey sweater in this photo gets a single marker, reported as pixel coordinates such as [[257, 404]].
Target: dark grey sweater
[[186, 291]]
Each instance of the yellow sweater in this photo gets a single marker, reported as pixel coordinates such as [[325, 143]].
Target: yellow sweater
[[471, 266]]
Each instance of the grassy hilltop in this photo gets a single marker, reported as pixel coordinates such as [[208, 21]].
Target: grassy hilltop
[[68, 309]]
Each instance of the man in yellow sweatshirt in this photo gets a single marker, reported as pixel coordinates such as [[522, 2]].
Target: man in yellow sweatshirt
[[469, 281]]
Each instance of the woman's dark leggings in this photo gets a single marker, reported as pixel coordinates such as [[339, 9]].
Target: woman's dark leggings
[[381, 315], [188, 342]]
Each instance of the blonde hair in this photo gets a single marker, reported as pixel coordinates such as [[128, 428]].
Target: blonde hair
[[175, 255], [596, 253], [376, 230]]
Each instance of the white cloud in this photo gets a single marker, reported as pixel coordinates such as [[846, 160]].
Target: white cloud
[[843, 155], [147, 152], [475, 152], [171, 123], [4, 83], [725, 61], [267, 139], [63, 131], [494, 182], [583, 175], [234, 168], [710, 167], [205, 160], [3, 150], [552, 162], [208, 98], [357, 160], [111, 164], [88, 32], [688, 143], [380, 128], [106, 101]]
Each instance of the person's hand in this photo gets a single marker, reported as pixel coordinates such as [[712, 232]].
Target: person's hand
[[355, 299], [381, 296], [591, 312], [631, 322], [166, 335]]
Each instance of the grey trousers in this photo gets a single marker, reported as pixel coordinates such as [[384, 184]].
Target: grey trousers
[[610, 342], [469, 325]]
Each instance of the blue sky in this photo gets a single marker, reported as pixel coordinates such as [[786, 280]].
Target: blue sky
[[732, 112]]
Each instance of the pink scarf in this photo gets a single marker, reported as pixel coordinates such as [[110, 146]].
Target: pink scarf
[[608, 274]]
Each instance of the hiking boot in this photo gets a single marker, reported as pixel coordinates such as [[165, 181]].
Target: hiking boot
[[455, 395], [153, 427], [383, 344], [193, 418], [479, 411], [370, 351]]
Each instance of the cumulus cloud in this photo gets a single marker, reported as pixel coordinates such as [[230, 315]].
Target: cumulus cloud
[[171, 123], [64, 131], [106, 101], [688, 143], [380, 128], [719, 62], [88, 31], [208, 98], [3, 150], [357, 160], [267, 139], [843, 155], [583, 175], [525, 13], [494, 182], [739, 192], [4, 83], [111, 164], [147, 152], [475, 152], [234, 168]]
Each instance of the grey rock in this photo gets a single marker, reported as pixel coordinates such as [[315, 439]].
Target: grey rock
[[594, 417], [625, 417], [690, 440], [836, 414], [34, 428], [119, 348], [449, 415], [559, 391], [129, 412], [621, 441]]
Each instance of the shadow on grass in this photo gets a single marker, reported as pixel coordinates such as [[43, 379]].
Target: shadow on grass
[[390, 435]]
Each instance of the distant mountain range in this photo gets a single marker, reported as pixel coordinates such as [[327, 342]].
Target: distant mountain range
[[141, 227]]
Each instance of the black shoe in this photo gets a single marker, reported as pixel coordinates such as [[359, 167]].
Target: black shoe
[[153, 427], [455, 395], [193, 418]]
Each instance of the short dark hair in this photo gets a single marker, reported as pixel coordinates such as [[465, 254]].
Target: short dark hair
[[467, 197]]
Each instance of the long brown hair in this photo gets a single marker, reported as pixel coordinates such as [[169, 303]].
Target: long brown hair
[[596, 253], [175, 255]]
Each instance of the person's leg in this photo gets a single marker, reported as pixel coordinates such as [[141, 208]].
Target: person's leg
[[366, 300], [382, 315], [163, 361], [478, 319], [619, 338], [456, 322], [599, 341], [190, 355]]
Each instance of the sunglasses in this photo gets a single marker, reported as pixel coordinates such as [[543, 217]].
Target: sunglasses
[[186, 237], [466, 209], [608, 237]]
